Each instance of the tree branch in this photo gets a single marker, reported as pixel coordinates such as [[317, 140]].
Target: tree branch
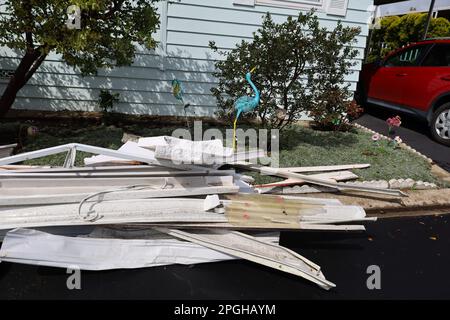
[[34, 67]]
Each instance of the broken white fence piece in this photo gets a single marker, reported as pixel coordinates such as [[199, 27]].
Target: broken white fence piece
[[249, 248], [321, 182], [330, 176], [133, 156], [34, 247], [325, 168], [109, 212]]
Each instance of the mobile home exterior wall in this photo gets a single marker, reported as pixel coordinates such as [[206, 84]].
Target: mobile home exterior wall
[[186, 28]]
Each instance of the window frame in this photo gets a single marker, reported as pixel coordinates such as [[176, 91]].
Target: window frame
[[427, 48], [430, 50], [294, 4]]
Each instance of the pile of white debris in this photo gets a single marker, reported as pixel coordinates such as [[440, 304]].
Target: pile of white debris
[[161, 201]]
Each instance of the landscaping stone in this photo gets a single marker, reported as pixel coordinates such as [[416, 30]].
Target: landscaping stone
[[420, 185], [381, 184]]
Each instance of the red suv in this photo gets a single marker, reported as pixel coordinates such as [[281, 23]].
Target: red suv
[[415, 80]]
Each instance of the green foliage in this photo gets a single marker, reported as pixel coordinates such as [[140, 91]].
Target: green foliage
[[108, 31], [395, 32], [334, 60], [106, 100], [288, 57]]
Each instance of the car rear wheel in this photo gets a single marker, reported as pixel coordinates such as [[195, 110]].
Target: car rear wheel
[[440, 124]]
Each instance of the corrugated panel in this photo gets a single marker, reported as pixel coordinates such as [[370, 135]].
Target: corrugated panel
[[183, 53]]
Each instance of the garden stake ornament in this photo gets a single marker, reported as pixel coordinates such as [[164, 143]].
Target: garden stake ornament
[[245, 103], [178, 91]]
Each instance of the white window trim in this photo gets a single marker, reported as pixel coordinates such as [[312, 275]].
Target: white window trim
[[293, 4]]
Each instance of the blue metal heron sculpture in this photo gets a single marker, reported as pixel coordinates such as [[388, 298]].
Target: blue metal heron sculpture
[[178, 91], [245, 103]]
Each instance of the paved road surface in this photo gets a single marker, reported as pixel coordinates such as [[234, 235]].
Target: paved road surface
[[413, 265]]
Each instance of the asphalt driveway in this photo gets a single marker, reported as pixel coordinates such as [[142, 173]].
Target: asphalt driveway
[[412, 254]]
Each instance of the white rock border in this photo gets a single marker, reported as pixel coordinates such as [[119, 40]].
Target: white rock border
[[399, 183]]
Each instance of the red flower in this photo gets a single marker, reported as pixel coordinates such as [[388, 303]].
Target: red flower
[[394, 121]]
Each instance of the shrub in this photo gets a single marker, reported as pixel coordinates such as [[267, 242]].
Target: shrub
[[334, 60], [106, 100], [281, 53], [106, 103], [288, 57]]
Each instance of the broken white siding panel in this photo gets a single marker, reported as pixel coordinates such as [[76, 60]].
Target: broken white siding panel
[[44, 249], [155, 182], [8, 174], [246, 247], [123, 232], [109, 212], [134, 153], [92, 169], [104, 195], [129, 147]]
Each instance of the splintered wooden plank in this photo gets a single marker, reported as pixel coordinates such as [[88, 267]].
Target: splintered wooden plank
[[325, 168], [249, 248], [331, 177], [321, 182], [264, 211]]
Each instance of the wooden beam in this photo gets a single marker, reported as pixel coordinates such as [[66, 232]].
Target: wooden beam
[[321, 182], [330, 176], [325, 168]]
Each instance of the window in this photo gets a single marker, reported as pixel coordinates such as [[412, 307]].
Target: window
[[439, 56], [408, 58], [297, 4], [331, 7]]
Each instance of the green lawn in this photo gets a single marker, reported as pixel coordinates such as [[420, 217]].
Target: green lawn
[[300, 146]]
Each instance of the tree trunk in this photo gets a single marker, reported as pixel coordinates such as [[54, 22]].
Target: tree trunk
[[27, 67]]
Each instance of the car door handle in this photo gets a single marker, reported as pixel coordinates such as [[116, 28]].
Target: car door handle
[[446, 78], [402, 74]]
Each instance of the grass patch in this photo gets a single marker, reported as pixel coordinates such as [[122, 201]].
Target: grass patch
[[300, 146]]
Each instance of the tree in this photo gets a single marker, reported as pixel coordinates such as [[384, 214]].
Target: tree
[[396, 32], [107, 35], [333, 61]]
